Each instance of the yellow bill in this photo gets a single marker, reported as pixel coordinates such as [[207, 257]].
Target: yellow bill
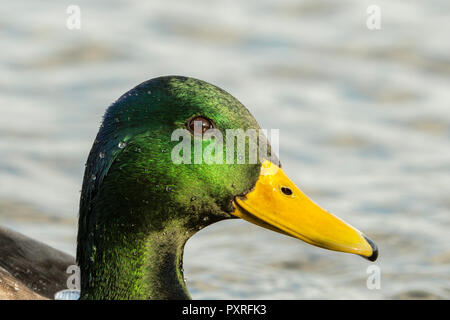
[[277, 204]]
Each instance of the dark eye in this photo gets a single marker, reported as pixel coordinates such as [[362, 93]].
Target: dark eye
[[201, 122]]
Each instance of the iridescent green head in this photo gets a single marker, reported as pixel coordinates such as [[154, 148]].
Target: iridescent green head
[[132, 154], [139, 206], [132, 186]]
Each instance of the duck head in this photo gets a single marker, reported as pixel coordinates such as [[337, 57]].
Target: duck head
[[140, 203]]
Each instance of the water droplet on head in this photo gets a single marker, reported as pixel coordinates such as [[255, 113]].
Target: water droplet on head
[[122, 144], [149, 92], [93, 177], [101, 155]]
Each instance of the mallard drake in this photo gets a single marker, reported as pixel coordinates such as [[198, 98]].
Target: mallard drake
[[139, 206]]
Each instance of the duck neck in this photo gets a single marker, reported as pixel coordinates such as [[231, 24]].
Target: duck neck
[[133, 264]]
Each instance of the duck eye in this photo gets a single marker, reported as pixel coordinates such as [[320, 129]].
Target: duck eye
[[287, 191], [201, 122]]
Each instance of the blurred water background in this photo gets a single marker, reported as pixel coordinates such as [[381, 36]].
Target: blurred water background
[[364, 119]]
